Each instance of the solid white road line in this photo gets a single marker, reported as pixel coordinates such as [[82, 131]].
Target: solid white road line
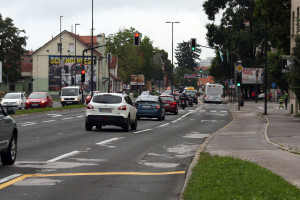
[[143, 131], [64, 156], [9, 178], [105, 142]]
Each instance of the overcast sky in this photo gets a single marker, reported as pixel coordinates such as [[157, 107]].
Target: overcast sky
[[41, 19]]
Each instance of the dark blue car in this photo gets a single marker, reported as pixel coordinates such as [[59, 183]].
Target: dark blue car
[[150, 106]]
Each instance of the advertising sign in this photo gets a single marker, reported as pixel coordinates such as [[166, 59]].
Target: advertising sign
[[190, 76], [137, 79], [252, 76], [70, 74]]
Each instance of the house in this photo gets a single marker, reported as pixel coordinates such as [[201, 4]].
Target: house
[[59, 62], [115, 82]]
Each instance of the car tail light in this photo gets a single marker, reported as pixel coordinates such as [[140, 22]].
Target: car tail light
[[157, 107], [89, 106], [122, 107], [174, 103]]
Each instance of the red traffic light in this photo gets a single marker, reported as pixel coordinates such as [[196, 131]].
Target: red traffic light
[[82, 71], [136, 35]]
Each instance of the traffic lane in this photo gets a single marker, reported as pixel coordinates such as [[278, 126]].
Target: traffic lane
[[168, 148], [45, 136]]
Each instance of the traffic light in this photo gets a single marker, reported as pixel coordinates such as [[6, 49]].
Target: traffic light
[[201, 70], [239, 79], [136, 39], [193, 44], [82, 76]]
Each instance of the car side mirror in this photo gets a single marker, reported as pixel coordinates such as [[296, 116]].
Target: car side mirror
[[10, 110]]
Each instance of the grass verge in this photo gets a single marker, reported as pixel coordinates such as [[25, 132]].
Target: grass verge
[[36, 110], [217, 177]]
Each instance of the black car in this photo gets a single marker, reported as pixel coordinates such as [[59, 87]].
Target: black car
[[8, 137], [193, 95], [150, 106]]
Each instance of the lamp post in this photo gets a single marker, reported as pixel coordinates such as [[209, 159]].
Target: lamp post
[[172, 81], [60, 51], [92, 67], [75, 55]]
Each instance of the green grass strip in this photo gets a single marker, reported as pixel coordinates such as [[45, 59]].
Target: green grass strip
[[37, 110], [217, 177]]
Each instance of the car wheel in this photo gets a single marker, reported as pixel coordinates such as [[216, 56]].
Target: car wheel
[[9, 157], [88, 126], [138, 118], [99, 127], [176, 113], [126, 126], [159, 118], [163, 118], [134, 126]]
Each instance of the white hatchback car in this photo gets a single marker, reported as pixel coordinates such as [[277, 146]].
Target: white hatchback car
[[16, 100], [110, 109]]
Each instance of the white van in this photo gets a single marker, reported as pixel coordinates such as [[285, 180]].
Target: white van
[[70, 95], [213, 93]]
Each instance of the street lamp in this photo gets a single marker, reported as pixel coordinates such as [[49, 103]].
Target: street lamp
[[75, 55], [172, 81], [60, 51]]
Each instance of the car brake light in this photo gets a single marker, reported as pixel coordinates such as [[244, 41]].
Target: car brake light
[[122, 107], [157, 107], [174, 103], [89, 106]]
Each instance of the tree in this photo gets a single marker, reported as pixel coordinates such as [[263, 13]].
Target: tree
[[11, 48], [185, 56], [295, 71]]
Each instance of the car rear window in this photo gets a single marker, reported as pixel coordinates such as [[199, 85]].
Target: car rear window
[[110, 99], [147, 98], [167, 98]]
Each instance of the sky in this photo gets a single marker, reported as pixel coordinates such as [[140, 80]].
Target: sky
[[41, 19]]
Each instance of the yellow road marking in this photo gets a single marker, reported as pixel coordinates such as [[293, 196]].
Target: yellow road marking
[[20, 178]]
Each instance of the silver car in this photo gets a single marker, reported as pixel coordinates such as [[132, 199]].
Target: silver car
[[16, 100], [8, 137]]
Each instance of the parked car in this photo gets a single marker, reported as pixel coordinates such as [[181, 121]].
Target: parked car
[[111, 109], [38, 100], [170, 104], [8, 137], [150, 106], [89, 96], [16, 100]]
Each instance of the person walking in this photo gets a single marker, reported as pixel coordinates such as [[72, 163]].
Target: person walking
[[285, 97], [253, 96]]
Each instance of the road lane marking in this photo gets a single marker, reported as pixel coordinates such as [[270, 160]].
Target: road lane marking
[[27, 124], [52, 120], [64, 156], [11, 182], [9, 178], [163, 125], [67, 118], [143, 131], [106, 142], [79, 116], [54, 115]]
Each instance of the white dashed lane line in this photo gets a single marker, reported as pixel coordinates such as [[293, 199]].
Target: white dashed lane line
[[52, 120]]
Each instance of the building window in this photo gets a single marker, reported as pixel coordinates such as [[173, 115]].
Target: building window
[[59, 47], [12, 87], [71, 47]]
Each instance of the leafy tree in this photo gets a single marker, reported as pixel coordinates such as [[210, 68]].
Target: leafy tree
[[185, 56], [11, 48], [295, 71], [167, 65], [181, 81]]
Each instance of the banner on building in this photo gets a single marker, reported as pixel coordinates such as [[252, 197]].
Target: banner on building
[[252, 76], [137, 79], [70, 73]]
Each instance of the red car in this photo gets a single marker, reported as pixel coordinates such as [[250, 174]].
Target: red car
[[170, 103], [89, 96], [38, 100]]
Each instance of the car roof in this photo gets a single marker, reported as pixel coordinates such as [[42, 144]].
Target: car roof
[[115, 94]]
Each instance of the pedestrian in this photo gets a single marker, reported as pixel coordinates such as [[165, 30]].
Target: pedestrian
[[285, 97], [270, 96], [253, 95], [278, 94]]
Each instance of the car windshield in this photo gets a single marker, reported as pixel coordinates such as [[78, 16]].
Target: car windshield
[[189, 92], [69, 92], [110, 99], [37, 96], [167, 98], [11, 96], [147, 98]]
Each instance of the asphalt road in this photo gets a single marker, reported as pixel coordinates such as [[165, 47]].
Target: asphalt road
[[58, 159]]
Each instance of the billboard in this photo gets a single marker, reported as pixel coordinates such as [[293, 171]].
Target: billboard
[[252, 76], [70, 73], [137, 79]]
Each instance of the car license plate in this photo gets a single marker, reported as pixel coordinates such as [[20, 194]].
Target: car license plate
[[147, 107], [34, 104], [105, 110], [167, 104]]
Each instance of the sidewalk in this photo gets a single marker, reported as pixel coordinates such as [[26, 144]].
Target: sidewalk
[[260, 140]]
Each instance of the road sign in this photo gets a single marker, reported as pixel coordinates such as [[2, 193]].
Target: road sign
[[82, 86], [273, 85], [239, 68]]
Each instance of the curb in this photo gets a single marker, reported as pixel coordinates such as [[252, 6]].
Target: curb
[[197, 155]]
